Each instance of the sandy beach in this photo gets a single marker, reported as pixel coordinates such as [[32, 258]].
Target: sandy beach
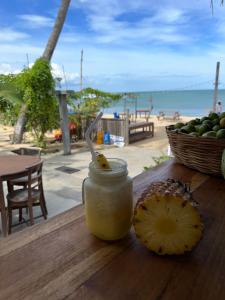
[[158, 142]]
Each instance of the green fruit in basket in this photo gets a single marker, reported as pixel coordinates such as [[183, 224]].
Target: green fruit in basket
[[187, 129], [198, 121], [184, 129], [192, 122], [203, 119], [179, 125], [216, 128], [213, 116], [210, 134], [202, 129], [194, 134], [216, 121], [191, 128], [222, 122], [220, 134], [208, 123], [197, 127], [222, 115]]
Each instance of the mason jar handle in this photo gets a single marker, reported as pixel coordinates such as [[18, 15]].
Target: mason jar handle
[[83, 189]]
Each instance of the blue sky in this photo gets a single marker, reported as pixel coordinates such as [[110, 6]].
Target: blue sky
[[129, 45]]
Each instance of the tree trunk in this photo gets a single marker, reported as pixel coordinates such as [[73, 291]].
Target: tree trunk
[[50, 47], [56, 30], [20, 125]]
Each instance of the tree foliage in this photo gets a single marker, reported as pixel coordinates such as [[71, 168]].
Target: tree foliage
[[38, 85], [90, 101], [10, 98], [33, 87]]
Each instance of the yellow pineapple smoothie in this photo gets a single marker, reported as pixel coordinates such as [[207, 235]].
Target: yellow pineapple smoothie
[[108, 200]]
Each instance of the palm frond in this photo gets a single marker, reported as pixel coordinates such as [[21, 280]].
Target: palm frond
[[10, 93]]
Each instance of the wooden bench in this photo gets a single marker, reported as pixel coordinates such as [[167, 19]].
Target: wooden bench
[[130, 132], [139, 131], [168, 115]]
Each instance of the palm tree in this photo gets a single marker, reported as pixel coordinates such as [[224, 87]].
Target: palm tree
[[48, 52], [53, 39], [212, 2]]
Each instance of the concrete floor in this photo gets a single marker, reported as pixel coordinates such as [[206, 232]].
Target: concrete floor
[[63, 191]]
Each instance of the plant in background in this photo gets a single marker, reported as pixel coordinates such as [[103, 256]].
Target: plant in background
[[158, 160], [42, 110], [10, 99], [89, 101]]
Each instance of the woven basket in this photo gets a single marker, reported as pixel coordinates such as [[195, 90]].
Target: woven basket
[[202, 154]]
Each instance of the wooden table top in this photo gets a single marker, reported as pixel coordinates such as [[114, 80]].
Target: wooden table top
[[60, 259], [11, 164]]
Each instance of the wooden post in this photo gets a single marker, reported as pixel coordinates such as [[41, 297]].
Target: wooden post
[[135, 99], [81, 70], [216, 86], [64, 121], [126, 138], [64, 75]]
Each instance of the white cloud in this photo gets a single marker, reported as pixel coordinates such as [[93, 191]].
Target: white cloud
[[66, 77], [10, 51], [11, 35], [152, 23], [8, 69], [36, 21], [169, 15]]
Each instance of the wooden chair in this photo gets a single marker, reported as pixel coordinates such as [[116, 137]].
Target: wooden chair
[[30, 195], [23, 182], [3, 213]]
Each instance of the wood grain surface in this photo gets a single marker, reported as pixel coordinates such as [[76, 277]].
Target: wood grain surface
[[60, 259], [11, 164]]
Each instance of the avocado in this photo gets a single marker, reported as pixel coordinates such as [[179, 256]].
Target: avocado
[[197, 127], [211, 134], [191, 128], [194, 133], [184, 129], [216, 128], [194, 122], [213, 116], [222, 115], [222, 122], [203, 128], [197, 121], [208, 123], [203, 119], [179, 125], [187, 129], [220, 134], [216, 121]]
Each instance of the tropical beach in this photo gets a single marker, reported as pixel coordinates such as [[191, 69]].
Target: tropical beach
[[112, 150], [158, 142]]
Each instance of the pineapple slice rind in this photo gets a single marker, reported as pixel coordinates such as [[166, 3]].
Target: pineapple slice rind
[[167, 224]]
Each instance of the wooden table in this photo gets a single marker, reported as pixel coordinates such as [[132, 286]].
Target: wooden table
[[146, 112], [60, 259], [140, 130], [9, 165]]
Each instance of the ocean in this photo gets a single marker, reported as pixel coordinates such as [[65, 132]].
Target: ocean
[[187, 103]]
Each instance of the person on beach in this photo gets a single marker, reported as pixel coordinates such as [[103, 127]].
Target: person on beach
[[219, 107]]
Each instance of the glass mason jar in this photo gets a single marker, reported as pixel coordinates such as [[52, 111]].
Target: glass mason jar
[[108, 200]]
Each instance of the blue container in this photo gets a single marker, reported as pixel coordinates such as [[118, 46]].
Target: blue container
[[116, 115], [106, 138]]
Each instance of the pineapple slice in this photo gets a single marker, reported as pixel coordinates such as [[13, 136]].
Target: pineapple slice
[[102, 161], [166, 221]]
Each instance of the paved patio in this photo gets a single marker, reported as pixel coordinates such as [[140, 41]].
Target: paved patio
[[63, 190]]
